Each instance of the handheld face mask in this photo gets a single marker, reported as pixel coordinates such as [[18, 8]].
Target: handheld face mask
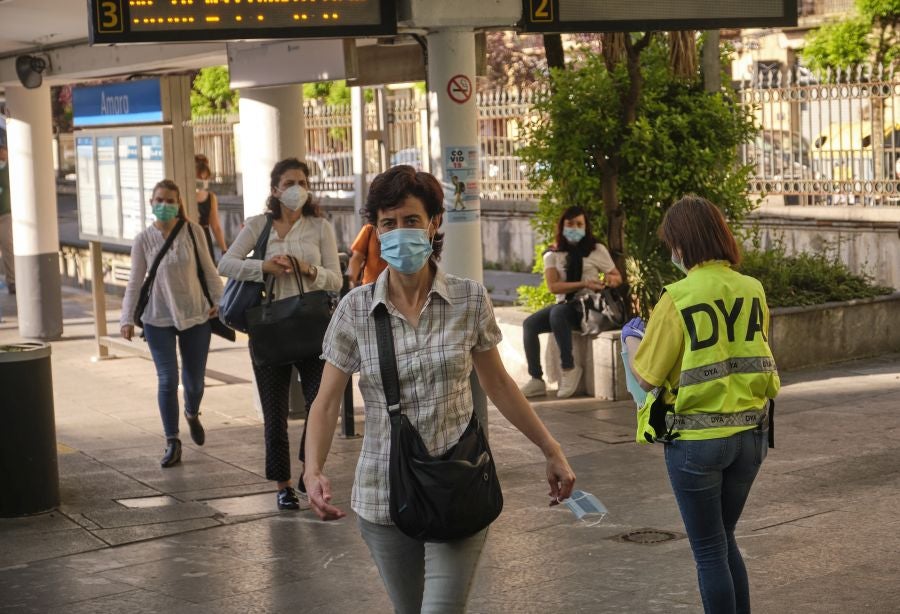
[[164, 212], [406, 250], [294, 197], [573, 235]]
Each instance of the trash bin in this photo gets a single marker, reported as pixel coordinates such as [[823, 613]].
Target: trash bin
[[29, 478]]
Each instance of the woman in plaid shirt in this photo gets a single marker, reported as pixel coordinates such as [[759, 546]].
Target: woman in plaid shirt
[[443, 327]]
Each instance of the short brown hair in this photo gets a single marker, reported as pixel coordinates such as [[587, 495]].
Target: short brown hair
[[168, 184], [393, 186], [697, 228]]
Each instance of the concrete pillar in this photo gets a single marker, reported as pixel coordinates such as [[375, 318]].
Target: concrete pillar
[[35, 230], [272, 129], [454, 127]]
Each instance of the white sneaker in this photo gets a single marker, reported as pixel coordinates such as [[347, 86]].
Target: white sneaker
[[568, 383], [534, 388]]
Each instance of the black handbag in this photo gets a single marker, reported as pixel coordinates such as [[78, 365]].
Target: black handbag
[[434, 498], [215, 324], [239, 296], [600, 311], [289, 330], [147, 286]]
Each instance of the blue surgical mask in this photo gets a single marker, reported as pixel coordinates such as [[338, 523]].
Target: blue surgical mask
[[406, 250], [573, 235], [164, 212], [679, 264]]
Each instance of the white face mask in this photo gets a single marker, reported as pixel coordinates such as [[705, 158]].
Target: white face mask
[[294, 197], [2, 164]]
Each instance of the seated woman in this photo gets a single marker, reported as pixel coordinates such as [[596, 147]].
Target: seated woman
[[575, 265]]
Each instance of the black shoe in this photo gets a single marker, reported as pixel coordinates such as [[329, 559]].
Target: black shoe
[[198, 435], [287, 499], [173, 453]]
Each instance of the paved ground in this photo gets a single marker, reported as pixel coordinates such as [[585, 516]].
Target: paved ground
[[821, 531]]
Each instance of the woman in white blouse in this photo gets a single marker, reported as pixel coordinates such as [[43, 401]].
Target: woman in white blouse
[[177, 309], [443, 327], [298, 230]]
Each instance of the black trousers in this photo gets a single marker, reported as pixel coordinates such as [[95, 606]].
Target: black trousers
[[274, 384]]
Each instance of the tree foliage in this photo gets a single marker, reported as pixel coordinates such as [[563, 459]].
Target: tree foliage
[[211, 93], [677, 139], [870, 36]]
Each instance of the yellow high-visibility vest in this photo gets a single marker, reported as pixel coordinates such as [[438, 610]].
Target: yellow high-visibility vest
[[727, 372]]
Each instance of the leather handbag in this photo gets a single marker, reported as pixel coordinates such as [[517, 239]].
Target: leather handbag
[[147, 286], [215, 324], [600, 311], [289, 330], [239, 296], [434, 498]]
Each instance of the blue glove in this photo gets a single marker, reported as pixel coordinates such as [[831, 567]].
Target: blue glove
[[633, 328]]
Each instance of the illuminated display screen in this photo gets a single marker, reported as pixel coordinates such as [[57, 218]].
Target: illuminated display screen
[[631, 16], [145, 21]]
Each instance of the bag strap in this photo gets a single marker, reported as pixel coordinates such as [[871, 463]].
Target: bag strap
[[151, 275], [262, 242], [390, 379], [200, 276]]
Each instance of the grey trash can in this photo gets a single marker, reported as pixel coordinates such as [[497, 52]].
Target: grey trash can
[[29, 477]]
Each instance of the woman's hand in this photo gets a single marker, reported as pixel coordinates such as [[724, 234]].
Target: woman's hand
[[559, 475], [595, 285], [214, 311], [318, 488], [277, 265], [127, 332]]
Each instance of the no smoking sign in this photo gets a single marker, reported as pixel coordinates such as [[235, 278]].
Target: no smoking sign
[[459, 88]]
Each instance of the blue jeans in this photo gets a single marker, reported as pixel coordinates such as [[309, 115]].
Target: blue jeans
[[711, 480], [560, 320], [194, 346], [423, 577]]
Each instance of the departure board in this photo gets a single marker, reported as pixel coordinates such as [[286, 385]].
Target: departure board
[[149, 21], [644, 15]]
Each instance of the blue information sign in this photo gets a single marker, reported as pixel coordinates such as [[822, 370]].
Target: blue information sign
[[129, 102]]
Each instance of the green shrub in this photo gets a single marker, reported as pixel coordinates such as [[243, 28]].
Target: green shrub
[[806, 278]]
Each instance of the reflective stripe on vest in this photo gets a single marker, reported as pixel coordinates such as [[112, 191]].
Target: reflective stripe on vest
[[694, 422], [707, 373]]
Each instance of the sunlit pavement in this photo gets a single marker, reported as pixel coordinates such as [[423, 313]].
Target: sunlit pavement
[[819, 534]]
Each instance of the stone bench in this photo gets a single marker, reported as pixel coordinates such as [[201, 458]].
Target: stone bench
[[600, 357]]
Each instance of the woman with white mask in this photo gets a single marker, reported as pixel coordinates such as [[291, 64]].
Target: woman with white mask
[[295, 229]]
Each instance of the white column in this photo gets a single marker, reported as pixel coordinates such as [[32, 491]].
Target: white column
[[35, 229], [454, 125], [272, 129]]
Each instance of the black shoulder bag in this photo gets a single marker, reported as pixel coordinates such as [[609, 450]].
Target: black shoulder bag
[[215, 324], [289, 330], [434, 498], [147, 286], [241, 295]]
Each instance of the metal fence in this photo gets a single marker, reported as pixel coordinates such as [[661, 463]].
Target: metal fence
[[830, 139]]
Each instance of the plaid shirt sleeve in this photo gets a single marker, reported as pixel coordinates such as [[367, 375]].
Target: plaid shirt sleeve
[[488, 334], [340, 346]]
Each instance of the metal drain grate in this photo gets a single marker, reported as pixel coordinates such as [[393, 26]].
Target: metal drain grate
[[648, 536]]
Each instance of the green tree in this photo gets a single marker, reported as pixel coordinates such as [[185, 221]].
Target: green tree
[[870, 36], [211, 93], [625, 135]]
